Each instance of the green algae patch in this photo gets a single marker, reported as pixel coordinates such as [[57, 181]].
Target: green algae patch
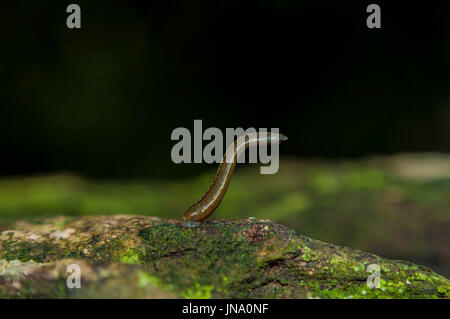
[[308, 255], [25, 251], [136, 256], [132, 256]]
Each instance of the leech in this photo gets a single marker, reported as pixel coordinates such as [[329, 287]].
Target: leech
[[207, 204]]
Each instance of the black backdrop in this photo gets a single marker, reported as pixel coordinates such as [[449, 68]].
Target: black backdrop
[[103, 100]]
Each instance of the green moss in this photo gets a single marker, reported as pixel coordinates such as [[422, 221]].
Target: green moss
[[198, 292], [308, 254], [25, 251], [132, 256], [195, 292], [145, 279]]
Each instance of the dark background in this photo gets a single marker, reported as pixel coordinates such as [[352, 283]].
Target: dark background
[[102, 100]]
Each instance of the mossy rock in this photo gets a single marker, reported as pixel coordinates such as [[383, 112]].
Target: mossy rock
[[127, 256]]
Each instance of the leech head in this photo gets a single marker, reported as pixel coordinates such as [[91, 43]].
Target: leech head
[[276, 138]]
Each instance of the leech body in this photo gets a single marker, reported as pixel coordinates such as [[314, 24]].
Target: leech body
[[207, 204]]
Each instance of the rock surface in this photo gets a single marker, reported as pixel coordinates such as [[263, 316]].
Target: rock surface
[[126, 256]]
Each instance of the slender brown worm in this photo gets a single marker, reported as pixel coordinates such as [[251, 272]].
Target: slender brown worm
[[207, 204]]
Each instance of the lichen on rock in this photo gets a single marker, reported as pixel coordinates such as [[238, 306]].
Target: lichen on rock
[[126, 256]]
